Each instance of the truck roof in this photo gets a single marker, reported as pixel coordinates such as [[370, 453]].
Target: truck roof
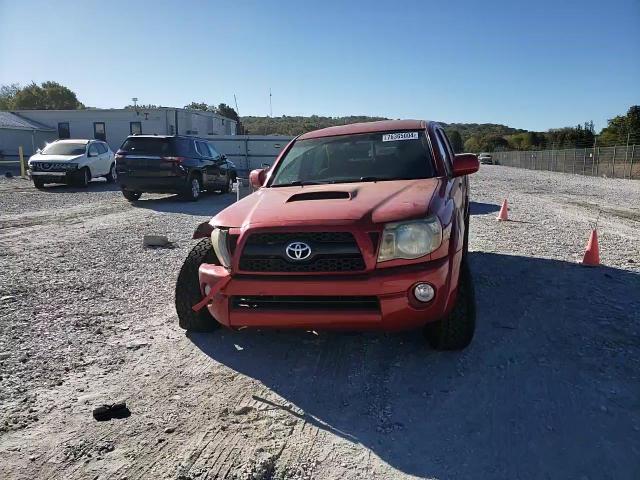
[[366, 127]]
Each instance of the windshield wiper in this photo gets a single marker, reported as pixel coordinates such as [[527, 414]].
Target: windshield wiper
[[363, 179], [299, 183]]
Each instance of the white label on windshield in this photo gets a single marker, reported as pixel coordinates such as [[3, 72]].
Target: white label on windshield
[[392, 137]]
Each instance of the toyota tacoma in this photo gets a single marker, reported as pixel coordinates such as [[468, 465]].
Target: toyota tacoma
[[361, 226]]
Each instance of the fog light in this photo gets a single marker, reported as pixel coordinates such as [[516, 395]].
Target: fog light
[[424, 292]]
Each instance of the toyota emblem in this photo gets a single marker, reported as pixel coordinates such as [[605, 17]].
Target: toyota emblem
[[298, 251]]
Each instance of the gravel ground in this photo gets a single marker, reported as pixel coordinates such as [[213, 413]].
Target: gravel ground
[[548, 389]]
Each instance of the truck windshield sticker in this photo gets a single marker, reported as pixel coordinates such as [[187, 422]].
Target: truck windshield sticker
[[392, 137]]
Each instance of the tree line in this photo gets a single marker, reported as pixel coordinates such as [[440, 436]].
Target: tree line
[[470, 137]]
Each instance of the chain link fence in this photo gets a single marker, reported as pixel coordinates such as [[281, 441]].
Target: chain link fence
[[614, 162]]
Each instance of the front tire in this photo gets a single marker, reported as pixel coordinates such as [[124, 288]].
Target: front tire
[[227, 185], [112, 176], [131, 195], [455, 332], [193, 189], [39, 184], [83, 178], [188, 290]]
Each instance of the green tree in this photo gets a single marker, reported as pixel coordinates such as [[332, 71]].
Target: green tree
[[456, 141], [472, 144], [46, 96], [492, 143], [198, 106], [227, 111], [7, 95], [621, 127], [148, 106]]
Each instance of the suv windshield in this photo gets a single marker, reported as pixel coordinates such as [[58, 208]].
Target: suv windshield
[[356, 158], [64, 148], [150, 146]]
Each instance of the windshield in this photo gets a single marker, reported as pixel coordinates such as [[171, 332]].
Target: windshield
[[150, 146], [356, 158], [64, 148]]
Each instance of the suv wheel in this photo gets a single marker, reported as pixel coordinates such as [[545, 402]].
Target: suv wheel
[[227, 185], [194, 187], [188, 290], [112, 176], [83, 178], [131, 195], [39, 184], [456, 330]]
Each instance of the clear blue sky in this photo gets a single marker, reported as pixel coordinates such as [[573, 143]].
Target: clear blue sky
[[533, 65]]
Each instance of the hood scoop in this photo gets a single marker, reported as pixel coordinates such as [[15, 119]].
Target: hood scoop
[[299, 197]]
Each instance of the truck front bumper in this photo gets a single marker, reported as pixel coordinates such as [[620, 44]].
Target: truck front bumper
[[316, 302]]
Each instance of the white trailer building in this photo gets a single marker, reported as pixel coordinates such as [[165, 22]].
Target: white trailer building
[[114, 125]]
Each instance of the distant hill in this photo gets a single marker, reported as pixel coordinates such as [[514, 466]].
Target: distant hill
[[287, 125], [470, 137]]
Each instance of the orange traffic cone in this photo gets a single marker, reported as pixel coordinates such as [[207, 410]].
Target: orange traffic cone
[[504, 212], [592, 252]]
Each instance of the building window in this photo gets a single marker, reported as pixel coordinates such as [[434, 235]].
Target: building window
[[135, 128], [99, 132], [63, 130]]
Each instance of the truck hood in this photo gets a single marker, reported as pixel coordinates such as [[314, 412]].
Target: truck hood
[[54, 158], [338, 204]]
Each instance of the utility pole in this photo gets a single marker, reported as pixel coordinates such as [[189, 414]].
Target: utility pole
[[270, 105]]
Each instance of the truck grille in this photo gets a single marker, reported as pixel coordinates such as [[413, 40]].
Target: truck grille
[[330, 252], [295, 302]]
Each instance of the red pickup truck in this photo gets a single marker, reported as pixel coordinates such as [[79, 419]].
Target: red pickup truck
[[362, 226]]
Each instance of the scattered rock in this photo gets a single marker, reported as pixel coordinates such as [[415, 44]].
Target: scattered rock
[[169, 429], [157, 241], [107, 412], [136, 344], [243, 410]]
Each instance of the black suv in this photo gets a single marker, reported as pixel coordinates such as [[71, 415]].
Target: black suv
[[171, 164]]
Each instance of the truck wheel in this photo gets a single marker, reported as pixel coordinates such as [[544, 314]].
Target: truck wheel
[[112, 176], [39, 184], [193, 189], [456, 330], [465, 242], [131, 195], [188, 290]]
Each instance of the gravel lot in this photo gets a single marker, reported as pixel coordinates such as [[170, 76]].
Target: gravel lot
[[548, 389]]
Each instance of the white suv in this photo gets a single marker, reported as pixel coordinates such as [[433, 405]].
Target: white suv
[[72, 162]]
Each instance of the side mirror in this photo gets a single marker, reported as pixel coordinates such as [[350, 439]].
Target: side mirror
[[465, 164], [39, 150], [257, 178]]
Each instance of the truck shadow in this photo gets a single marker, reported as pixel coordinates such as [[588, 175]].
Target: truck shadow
[[480, 208], [209, 203], [549, 380]]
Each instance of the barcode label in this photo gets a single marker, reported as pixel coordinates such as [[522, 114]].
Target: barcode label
[[392, 137]]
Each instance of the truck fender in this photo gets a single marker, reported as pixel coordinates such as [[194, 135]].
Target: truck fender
[[203, 230]]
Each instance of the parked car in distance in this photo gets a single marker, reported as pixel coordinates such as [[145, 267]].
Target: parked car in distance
[[486, 158], [171, 164], [74, 162], [362, 226]]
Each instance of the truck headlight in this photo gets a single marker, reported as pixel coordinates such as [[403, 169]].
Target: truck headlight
[[219, 240], [409, 240]]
